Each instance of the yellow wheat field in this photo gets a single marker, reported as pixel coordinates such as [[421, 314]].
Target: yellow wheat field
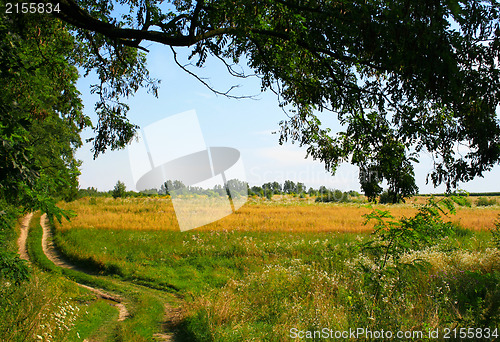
[[278, 215]]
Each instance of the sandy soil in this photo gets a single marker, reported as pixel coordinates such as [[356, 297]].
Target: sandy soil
[[53, 255], [172, 315], [21, 242]]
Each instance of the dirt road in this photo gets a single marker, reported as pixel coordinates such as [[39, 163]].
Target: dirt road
[[21, 242], [53, 255], [172, 315]]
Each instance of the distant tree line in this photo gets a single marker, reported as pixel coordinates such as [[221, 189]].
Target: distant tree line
[[238, 188], [266, 190]]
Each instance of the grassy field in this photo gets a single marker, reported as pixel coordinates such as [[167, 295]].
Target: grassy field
[[282, 214], [275, 269], [64, 311], [49, 307]]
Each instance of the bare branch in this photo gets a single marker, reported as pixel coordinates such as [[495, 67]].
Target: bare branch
[[233, 72], [202, 80]]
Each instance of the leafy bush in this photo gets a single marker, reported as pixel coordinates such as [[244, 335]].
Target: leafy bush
[[119, 190], [496, 233], [395, 237], [484, 202], [385, 198], [332, 196], [12, 268]]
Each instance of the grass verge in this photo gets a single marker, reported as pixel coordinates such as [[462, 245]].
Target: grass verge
[[146, 308], [244, 285]]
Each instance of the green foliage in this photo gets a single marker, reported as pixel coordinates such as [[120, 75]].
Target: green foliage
[[476, 292], [275, 187], [462, 199], [395, 237], [289, 187], [41, 116], [483, 201], [119, 190], [484, 194], [496, 233], [90, 192], [12, 268], [326, 195], [385, 198]]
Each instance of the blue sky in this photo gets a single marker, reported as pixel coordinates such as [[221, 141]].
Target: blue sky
[[246, 125]]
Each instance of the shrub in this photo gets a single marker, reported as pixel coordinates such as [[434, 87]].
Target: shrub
[[393, 237], [119, 190], [333, 196], [483, 201], [496, 233], [385, 198], [12, 268]]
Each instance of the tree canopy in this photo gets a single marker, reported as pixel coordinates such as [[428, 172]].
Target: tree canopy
[[40, 125], [40, 113], [402, 77]]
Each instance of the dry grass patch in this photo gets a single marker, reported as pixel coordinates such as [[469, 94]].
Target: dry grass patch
[[256, 215]]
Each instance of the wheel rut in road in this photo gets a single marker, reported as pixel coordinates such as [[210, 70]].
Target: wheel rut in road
[[172, 315], [53, 255]]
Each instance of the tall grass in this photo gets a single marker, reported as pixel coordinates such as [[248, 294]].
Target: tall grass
[[283, 214], [258, 275], [270, 303], [49, 308], [33, 305]]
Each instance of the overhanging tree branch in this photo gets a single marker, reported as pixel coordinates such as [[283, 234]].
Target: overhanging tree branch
[[226, 93]]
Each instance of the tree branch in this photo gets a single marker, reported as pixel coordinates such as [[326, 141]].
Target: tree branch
[[226, 93]]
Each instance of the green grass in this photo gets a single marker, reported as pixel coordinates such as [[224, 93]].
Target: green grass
[[34, 245], [191, 261], [243, 285], [51, 307], [99, 320], [145, 306]]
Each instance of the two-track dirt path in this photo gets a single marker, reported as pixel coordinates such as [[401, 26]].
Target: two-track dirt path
[[172, 315], [54, 256], [21, 242]]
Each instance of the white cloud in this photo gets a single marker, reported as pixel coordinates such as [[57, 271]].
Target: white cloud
[[267, 132], [286, 155], [204, 95]]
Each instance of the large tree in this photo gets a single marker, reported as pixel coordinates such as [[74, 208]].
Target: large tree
[[402, 77], [40, 124], [40, 113]]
